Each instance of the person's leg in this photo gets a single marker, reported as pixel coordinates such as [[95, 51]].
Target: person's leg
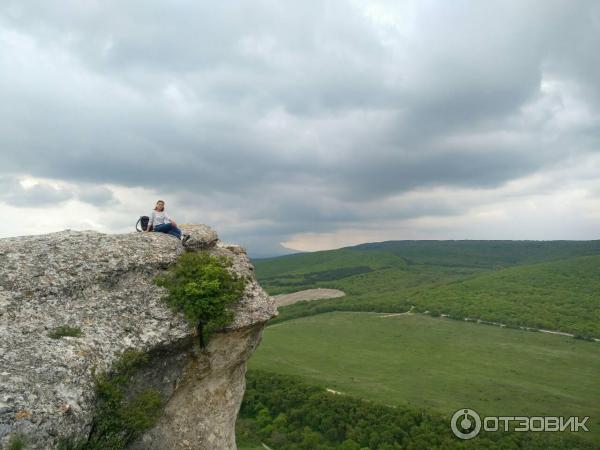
[[163, 227], [175, 232], [169, 229]]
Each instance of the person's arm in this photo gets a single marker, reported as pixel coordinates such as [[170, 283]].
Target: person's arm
[[150, 222], [170, 220]]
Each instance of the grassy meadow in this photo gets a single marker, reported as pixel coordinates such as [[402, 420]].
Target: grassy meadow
[[438, 363]]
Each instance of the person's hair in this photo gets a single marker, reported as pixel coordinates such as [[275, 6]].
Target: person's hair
[[157, 202]]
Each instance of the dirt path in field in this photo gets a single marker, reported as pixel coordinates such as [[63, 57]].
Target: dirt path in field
[[407, 313], [485, 322], [308, 294], [322, 293]]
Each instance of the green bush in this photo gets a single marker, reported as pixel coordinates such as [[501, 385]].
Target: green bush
[[119, 419], [65, 330], [203, 288], [16, 443]]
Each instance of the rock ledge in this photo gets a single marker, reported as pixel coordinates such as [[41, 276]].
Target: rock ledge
[[102, 283]]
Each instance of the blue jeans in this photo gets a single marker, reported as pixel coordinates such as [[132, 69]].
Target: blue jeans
[[169, 229]]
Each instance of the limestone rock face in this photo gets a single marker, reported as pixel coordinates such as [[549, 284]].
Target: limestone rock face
[[102, 284]]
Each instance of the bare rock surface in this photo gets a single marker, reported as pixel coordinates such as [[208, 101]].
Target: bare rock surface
[[102, 284], [308, 295]]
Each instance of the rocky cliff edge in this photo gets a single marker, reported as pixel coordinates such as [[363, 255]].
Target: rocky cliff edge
[[102, 284]]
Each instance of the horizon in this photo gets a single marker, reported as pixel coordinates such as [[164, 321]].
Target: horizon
[[418, 240], [307, 127]]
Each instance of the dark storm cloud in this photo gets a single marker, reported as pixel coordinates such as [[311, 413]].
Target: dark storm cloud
[[96, 195], [13, 193], [318, 109]]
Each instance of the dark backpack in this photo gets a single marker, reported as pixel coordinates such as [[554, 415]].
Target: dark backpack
[[143, 221]]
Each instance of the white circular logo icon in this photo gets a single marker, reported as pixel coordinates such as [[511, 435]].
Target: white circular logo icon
[[465, 423]]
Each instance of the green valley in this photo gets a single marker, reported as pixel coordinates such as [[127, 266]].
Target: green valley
[[385, 342]]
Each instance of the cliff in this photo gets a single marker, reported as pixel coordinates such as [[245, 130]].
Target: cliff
[[102, 285]]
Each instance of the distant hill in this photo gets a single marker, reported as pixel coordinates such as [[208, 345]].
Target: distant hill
[[463, 253], [541, 284], [486, 254], [327, 264]]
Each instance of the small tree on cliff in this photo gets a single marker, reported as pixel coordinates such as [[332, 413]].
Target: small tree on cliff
[[203, 288]]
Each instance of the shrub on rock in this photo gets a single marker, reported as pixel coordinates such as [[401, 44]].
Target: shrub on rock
[[204, 289]]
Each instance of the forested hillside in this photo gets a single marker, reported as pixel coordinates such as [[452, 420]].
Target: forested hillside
[[288, 414], [545, 284]]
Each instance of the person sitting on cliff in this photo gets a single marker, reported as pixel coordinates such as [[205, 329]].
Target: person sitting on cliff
[[160, 221]]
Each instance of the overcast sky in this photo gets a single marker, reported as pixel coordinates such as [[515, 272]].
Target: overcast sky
[[303, 125]]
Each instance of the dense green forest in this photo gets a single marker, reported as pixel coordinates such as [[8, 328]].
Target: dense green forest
[[560, 295], [288, 414]]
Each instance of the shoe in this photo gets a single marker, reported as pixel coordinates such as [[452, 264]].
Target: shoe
[[184, 238]]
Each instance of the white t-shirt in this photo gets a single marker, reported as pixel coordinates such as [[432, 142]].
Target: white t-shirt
[[158, 218]]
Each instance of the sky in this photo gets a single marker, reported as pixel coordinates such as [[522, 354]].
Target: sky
[[301, 126]]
